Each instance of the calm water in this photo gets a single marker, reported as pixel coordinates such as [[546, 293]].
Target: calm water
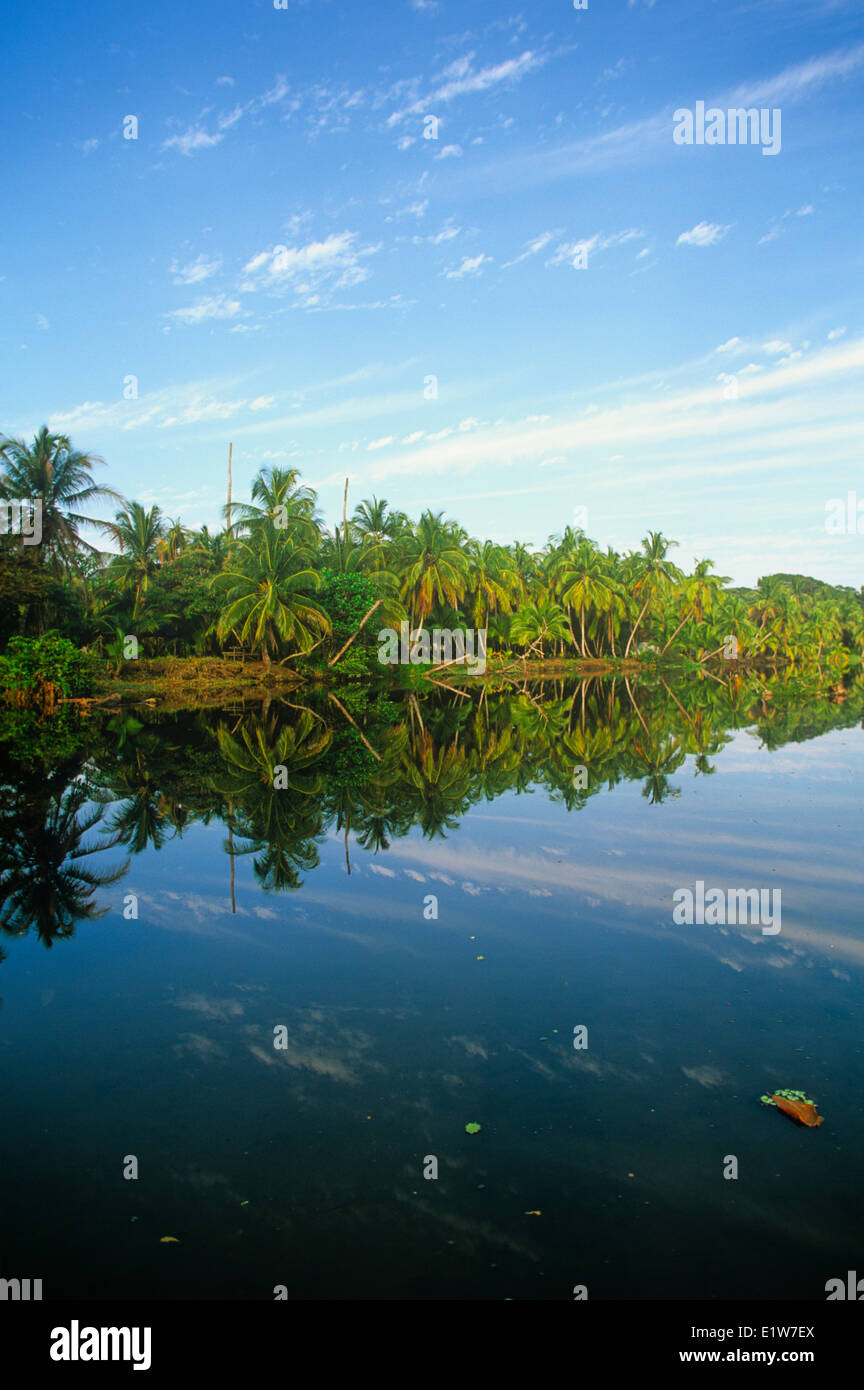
[[303, 1166]]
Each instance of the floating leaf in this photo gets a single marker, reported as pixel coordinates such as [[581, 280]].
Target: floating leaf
[[796, 1105], [472, 1129], [533, 1213], [168, 1240]]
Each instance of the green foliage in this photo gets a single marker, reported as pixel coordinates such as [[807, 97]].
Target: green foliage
[[346, 599], [348, 763], [51, 659]]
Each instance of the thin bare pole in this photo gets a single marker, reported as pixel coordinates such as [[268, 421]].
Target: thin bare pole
[[230, 451]]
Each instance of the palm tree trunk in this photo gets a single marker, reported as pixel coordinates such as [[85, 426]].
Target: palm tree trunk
[[678, 628], [636, 627]]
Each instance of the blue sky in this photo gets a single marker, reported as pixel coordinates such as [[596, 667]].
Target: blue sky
[[283, 260]]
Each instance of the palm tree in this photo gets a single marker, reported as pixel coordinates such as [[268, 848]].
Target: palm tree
[[266, 587], [277, 494], [583, 583], [699, 592], [60, 477], [653, 576], [491, 580], [139, 534], [174, 540], [538, 621], [437, 566]]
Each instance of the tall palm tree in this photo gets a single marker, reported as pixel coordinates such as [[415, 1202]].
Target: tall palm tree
[[278, 495], [266, 587], [436, 566], [139, 534], [584, 583], [60, 476], [491, 580], [653, 576]]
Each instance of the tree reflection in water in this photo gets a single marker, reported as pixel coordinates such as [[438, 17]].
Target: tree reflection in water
[[284, 777]]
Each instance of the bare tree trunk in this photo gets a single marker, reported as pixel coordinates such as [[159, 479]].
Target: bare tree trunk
[[355, 634], [636, 628]]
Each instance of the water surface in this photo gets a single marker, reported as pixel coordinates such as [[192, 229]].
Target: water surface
[[303, 1165]]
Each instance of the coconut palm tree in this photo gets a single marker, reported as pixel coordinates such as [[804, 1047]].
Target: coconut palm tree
[[653, 575], [60, 477], [266, 587], [278, 494], [491, 580], [139, 533], [538, 621], [436, 566]]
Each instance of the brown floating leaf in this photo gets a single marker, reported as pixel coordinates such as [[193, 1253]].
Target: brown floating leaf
[[804, 1111]]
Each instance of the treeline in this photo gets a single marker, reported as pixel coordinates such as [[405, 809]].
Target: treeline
[[277, 585]]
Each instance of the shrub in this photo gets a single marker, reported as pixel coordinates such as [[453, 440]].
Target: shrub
[[32, 666]]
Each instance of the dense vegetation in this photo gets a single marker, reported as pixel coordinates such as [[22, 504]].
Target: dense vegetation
[[275, 585]]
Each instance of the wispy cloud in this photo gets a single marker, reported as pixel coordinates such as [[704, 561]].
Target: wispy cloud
[[191, 140], [199, 269], [703, 234], [471, 265], [219, 306], [463, 79]]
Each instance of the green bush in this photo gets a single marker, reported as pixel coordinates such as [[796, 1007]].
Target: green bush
[[32, 662]]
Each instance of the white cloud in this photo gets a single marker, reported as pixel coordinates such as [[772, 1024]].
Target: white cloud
[[380, 443], [306, 271], [805, 405], [531, 248], [836, 333], [224, 81], [448, 233], [728, 345], [776, 345], [450, 152], [703, 234], [199, 269], [192, 140], [216, 307], [578, 251], [467, 82], [471, 265]]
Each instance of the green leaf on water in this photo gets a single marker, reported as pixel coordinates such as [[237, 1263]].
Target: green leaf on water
[[472, 1129]]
